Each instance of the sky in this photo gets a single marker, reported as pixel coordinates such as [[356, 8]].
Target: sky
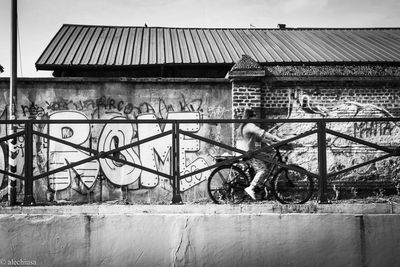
[[39, 20]]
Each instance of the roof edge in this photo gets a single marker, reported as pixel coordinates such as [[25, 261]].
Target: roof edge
[[119, 79], [233, 28]]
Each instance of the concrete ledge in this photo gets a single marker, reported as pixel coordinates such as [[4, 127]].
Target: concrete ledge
[[370, 208], [148, 237]]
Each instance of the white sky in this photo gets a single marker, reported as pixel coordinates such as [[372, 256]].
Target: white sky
[[39, 20]]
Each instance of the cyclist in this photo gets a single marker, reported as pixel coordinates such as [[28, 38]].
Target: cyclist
[[251, 133]]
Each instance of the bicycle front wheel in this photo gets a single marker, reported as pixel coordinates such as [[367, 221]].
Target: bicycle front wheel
[[226, 185], [292, 186]]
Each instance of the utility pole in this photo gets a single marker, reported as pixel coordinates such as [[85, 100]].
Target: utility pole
[[12, 144]]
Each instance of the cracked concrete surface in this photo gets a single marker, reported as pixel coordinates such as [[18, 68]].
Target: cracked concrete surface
[[201, 236]]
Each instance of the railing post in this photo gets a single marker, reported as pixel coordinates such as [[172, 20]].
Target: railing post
[[176, 195], [28, 186], [12, 166], [322, 165], [12, 193]]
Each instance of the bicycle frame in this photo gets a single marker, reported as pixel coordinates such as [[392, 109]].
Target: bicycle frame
[[238, 173], [273, 167]]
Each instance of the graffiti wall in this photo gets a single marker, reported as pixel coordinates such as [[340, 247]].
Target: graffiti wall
[[334, 102], [106, 179]]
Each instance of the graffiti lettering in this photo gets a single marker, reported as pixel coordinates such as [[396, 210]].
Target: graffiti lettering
[[114, 136], [105, 104], [155, 154], [194, 105], [372, 128], [62, 104], [163, 109], [60, 154], [189, 145], [32, 110]]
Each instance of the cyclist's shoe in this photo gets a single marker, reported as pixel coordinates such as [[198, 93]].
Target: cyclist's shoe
[[250, 192]]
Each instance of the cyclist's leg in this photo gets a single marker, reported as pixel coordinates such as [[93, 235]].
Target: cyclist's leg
[[261, 170]]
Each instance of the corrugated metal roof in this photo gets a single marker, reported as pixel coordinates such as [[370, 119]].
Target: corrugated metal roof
[[83, 45]]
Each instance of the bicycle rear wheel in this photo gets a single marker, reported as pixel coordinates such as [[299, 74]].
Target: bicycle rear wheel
[[292, 187], [226, 185]]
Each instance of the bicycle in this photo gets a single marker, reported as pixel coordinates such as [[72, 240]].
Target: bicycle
[[291, 185]]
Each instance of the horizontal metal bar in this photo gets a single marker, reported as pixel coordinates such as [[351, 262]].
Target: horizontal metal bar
[[12, 136], [90, 121], [212, 121], [360, 165], [362, 184], [360, 141], [12, 175]]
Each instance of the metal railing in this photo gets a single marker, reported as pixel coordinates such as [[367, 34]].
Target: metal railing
[[320, 130]]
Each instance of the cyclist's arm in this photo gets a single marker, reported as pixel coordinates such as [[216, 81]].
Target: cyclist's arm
[[261, 134], [270, 137]]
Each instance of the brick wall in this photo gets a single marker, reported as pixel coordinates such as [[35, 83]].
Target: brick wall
[[324, 98], [246, 95]]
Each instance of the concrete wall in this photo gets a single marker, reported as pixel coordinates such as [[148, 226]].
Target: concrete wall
[[153, 99], [193, 236]]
